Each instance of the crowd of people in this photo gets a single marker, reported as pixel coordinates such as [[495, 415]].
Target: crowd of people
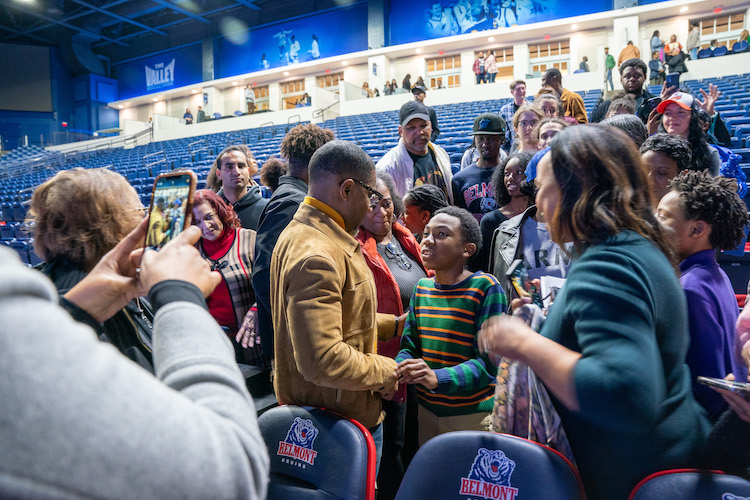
[[390, 293]]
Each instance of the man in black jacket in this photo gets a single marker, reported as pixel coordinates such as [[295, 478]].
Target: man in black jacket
[[235, 168], [297, 147], [632, 76]]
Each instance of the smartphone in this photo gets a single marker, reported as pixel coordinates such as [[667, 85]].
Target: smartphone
[[171, 207], [649, 106], [673, 80], [519, 278], [742, 388]]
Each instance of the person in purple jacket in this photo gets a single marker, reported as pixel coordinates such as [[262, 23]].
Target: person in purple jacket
[[705, 214]]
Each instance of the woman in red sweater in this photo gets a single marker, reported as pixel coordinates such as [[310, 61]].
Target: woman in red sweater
[[393, 256], [230, 250]]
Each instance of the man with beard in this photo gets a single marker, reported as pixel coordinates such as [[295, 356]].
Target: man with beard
[[415, 160], [234, 168], [632, 76]]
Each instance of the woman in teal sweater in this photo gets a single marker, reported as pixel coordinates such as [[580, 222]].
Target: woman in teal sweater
[[612, 351]]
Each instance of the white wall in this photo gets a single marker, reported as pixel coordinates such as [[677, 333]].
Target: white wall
[[497, 90], [591, 44], [356, 74], [234, 123]]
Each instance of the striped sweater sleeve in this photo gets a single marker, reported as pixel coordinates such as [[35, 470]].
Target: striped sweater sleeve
[[477, 372], [411, 347]]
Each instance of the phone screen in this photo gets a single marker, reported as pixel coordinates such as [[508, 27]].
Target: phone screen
[[673, 80], [519, 278], [170, 203]]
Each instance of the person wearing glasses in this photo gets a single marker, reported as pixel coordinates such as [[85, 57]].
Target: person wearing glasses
[[524, 122], [392, 254], [323, 298]]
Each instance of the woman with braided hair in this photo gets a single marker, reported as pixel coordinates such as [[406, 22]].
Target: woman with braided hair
[[420, 203]]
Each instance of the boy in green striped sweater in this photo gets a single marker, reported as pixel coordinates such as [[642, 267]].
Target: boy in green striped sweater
[[439, 349]]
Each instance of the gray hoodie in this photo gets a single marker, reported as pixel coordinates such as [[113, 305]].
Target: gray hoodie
[[79, 420]]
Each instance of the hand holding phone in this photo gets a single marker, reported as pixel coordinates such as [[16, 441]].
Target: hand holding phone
[[519, 279], [742, 388], [171, 207]]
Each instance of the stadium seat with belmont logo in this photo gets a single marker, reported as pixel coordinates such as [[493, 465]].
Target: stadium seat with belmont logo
[[469, 465], [691, 484], [316, 454]]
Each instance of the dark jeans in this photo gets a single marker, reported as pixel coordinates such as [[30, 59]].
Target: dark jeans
[[411, 433], [482, 77], [377, 437], [391, 465], [492, 77]]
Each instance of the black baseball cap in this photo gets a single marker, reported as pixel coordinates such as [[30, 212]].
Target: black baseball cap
[[411, 110], [418, 89], [489, 124]]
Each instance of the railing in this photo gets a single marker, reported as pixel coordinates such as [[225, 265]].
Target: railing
[[289, 122], [52, 162], [261, 130], [24, 195], [196, 147], [321, 112], [236, 137], [135, 139], [150, 164]]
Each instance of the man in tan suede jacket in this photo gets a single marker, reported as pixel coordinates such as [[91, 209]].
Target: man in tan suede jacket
[[323, 297]]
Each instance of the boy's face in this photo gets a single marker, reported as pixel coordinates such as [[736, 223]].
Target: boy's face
[[672, 218], [661, 169], [443, 246]]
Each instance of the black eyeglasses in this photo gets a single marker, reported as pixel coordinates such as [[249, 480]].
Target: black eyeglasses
[[375, 196], [393, 252]]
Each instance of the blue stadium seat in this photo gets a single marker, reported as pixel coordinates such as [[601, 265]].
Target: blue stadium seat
[[19, 212], [720, 51], [692, 484], [7, 232], [7, 212], [474, 464], [740, 47], [22, 249], [744, 153], [705, 53], [316, 454]]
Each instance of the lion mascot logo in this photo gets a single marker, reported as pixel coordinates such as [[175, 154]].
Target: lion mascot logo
[[487, 205], [302, 433], [492, 466]]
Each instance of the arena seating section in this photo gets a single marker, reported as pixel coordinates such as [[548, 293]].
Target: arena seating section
[[375, 133]]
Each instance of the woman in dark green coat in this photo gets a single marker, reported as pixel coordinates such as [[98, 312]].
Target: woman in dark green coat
[[612, 350]]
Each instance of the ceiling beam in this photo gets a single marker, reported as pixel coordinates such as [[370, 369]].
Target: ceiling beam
[[186, 12], [121, 18], [63, 23], [72, 17], [17, 34], [166, 25], [248, 3]]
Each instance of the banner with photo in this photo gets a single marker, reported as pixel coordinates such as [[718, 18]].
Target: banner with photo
[[426, 19], [312, 37], [165, 71]]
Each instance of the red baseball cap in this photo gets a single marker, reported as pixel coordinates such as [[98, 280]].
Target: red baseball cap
[[685, 101]]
